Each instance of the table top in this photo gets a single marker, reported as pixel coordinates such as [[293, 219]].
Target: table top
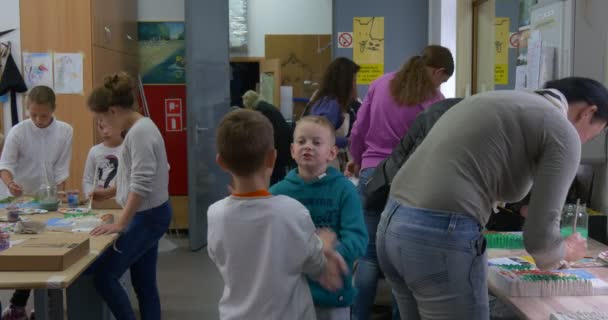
[[543, 307], [55, 279]]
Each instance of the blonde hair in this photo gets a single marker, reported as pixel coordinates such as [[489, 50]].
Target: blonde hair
[[318, 120], [250, 99], [412, 83]]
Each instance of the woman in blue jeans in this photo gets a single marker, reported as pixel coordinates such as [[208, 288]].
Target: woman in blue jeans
[[492, 147], [142, 191], [392, 103]]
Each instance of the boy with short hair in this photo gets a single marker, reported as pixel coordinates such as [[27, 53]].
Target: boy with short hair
[[263, 244], [333, 202], [37, 151]]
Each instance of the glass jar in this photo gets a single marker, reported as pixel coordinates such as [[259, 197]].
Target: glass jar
[[567, 222]]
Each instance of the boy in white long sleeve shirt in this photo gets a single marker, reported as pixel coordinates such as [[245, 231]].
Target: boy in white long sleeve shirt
[[37, 151], [263, 245]]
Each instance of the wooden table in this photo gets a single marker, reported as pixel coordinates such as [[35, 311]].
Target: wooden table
[[542, 307], [52, 283]]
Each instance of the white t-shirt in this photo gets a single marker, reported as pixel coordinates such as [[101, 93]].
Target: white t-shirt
[[105, 161], [263, 247], [29, 151]]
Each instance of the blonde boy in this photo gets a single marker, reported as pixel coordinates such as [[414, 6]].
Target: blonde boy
[[333, 203]]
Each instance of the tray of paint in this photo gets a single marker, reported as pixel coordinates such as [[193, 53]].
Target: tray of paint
[[28, 211]]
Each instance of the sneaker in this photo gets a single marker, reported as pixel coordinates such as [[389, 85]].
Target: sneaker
[[14, 313]]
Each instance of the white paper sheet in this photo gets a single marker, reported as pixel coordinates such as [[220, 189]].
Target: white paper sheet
[[38, 69], [68, 73]]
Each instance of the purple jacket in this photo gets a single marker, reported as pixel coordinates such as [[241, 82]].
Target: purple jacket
[[330, 109], [381, 123]]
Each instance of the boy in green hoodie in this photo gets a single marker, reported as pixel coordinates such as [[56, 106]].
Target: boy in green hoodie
[[332, 201]]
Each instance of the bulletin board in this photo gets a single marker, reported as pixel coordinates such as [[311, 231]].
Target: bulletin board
[[304, 58]]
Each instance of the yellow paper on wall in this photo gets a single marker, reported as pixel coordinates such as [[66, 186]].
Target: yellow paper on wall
[[369, 72], [501, 45], [368, 49]]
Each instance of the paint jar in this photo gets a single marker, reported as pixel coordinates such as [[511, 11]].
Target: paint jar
[[5, 241], [72, 198], [13, 215]]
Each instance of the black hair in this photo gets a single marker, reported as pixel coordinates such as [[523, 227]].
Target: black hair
[[579, 89]]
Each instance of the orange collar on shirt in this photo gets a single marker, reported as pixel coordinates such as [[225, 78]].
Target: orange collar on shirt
[[254, 194]]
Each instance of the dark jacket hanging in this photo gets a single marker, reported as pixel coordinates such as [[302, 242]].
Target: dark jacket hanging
[[12, 81]]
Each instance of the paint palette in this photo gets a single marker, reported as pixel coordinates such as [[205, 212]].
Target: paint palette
[[28, 211], [74, 210]]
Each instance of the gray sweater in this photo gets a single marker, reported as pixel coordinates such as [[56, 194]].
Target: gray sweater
[[143, 166], [492, 147]]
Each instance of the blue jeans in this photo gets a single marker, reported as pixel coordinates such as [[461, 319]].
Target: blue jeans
[[435, 262], [368, 272], [135, 249]]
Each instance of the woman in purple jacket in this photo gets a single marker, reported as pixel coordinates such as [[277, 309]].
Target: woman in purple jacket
[[392, 103], [338, 90]]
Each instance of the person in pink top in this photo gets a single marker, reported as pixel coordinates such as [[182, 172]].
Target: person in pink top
[[392, 103]]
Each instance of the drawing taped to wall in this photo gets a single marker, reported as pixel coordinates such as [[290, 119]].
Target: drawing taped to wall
[[368, 52], [38, 69], [68, 73]]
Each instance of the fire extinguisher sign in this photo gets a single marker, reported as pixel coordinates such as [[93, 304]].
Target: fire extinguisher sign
[[173, 115]]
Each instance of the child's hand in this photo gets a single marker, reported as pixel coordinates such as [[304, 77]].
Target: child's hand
[[107, 229], [352, 169], [101, 194], [331, 277], [328, 237], [15, 189]]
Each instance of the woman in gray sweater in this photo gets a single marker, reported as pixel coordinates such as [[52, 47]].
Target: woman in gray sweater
[[492, 147]]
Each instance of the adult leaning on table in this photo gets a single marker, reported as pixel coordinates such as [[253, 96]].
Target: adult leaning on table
[[489, 148]]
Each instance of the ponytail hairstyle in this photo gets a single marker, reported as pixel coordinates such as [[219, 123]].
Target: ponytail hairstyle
[[412, 84], [117, 91], [338, 83]]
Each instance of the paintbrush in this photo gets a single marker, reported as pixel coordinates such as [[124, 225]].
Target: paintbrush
[[95, 178], [578, 204]]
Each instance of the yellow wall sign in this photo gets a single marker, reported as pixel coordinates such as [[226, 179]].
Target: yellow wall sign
[[368, 49], [369, 72], [501, 46]]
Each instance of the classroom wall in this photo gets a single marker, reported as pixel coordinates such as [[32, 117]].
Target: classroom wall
[[264, 17], [9, 19], [405, 28], [160, 10]]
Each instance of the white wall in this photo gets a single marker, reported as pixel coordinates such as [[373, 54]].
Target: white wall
[[161, 10], [264, 17], [286, 17], [9, 19]]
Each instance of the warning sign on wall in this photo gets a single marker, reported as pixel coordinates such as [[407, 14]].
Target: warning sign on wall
[[345, 40], [173, 115]]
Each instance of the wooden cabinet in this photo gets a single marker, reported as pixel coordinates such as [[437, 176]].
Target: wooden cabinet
[[104, 31]]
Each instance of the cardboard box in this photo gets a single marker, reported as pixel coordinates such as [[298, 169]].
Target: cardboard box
[[45, 252]]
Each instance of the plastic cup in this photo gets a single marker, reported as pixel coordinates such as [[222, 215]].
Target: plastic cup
[[72, 196]]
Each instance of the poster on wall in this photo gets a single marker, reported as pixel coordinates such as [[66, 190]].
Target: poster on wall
[[68, 73], [501, 46], [162, 52], [38, 69], [368, 48]]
